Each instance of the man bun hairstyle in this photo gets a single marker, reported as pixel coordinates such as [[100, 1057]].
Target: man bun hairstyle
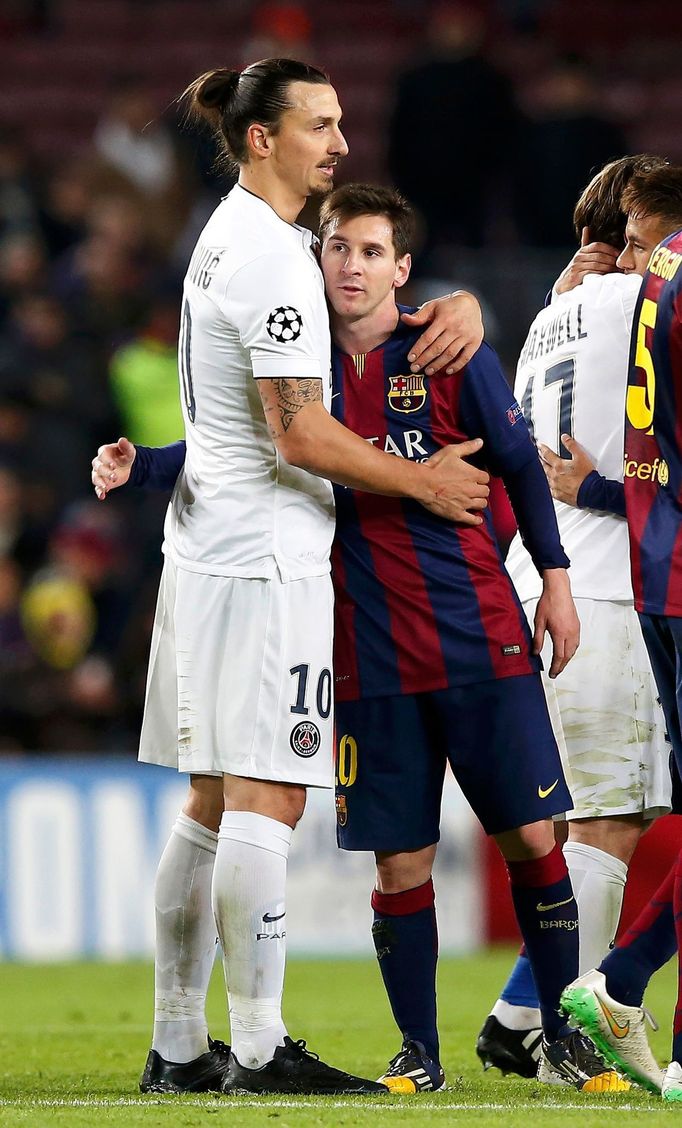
[[230, 101], [657, 193], [600, 207], [353, 200]]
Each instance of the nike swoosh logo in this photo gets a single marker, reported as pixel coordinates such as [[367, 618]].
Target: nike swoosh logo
[[555, 905], [267, 919], [543, 792], [336, 394], [618, 1030]]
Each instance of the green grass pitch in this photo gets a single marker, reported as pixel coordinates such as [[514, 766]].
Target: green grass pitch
[[73, 1040]]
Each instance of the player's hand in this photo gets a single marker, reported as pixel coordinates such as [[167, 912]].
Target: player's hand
[[590, 258], [459, 486], [454, 332], [566, 475], [556, 614], [111, 466]]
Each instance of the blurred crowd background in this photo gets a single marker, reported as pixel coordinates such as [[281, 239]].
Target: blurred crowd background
[[490, 116]]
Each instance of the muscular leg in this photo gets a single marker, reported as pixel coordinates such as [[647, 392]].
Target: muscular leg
[[185, 927], [406, 940], [249, 883], [598, 853]]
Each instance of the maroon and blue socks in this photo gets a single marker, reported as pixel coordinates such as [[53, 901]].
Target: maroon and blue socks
[[405, 936]]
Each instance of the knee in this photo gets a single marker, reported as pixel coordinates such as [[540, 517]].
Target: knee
[[527, 842], [205, 802], [398, 872], [283, 802]]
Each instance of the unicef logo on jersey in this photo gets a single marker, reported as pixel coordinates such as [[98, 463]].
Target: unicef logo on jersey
[[284, 324], [305, 739]]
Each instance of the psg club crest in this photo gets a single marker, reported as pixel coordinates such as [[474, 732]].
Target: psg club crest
[[406, 393], [284, 324], [305, 739]]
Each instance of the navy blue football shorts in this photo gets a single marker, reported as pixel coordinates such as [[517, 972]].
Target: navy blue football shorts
[[663, 639], [392, 752]]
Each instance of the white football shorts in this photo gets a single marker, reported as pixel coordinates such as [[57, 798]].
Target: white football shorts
[[240, 678], [606, 716]]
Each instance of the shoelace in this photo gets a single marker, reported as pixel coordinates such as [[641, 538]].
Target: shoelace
[[650, 1018], [300, 1045], [589, 1050], [399, 1059]]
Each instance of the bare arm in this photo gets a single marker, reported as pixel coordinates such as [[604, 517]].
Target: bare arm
[[556, 614], [590, 258], [307, 436], [453, 333]]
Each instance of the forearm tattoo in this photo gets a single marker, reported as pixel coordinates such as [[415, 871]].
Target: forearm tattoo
[[291, 396]]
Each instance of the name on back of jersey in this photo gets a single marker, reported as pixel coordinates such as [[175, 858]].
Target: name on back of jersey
[[563, 329], [203, 265]]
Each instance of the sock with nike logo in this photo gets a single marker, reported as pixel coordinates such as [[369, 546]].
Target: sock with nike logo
[[406, 940], [249, 883], [647, 944], [547, 915]]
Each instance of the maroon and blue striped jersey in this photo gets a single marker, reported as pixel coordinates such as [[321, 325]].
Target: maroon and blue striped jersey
[[653, 435], [422, 603]]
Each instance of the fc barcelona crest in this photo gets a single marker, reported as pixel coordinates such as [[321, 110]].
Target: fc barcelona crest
[[341, 810], [406, 393]]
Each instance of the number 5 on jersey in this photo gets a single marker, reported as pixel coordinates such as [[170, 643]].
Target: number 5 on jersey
[[641, 397]]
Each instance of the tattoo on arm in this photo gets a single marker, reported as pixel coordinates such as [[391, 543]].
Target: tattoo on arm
[[290, 397]]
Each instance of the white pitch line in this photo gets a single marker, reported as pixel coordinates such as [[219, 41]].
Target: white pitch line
[[352, 1103]]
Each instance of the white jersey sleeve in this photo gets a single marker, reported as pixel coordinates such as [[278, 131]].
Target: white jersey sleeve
[[270, 302], [571, 379]]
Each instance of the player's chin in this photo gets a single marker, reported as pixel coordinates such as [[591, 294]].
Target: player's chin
[[322, 185]]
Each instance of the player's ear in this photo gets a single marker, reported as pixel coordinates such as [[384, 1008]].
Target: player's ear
[[258, 141], [402, 270]]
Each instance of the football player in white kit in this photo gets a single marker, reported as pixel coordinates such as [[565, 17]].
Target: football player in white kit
[[571, 382], [239, 691]]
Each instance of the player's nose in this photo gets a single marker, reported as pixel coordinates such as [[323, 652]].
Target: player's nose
[[338, 146]]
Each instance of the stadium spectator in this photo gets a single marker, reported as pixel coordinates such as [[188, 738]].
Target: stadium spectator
[[144, 376], [563, 139], [452, 129], [131, 139]]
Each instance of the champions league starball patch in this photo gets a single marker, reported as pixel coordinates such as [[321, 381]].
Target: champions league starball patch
[[305, 739], [284, 324]]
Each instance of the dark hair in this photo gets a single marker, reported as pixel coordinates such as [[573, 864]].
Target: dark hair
[[600, 205], [657, 193], [230, 101], [352, 200]]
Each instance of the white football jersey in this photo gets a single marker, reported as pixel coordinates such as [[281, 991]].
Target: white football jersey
[[571, 379], [253, 307]]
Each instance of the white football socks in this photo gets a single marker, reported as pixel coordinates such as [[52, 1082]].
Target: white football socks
[[185, 941], [515, 1017], [598, 881], [249, 884]]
